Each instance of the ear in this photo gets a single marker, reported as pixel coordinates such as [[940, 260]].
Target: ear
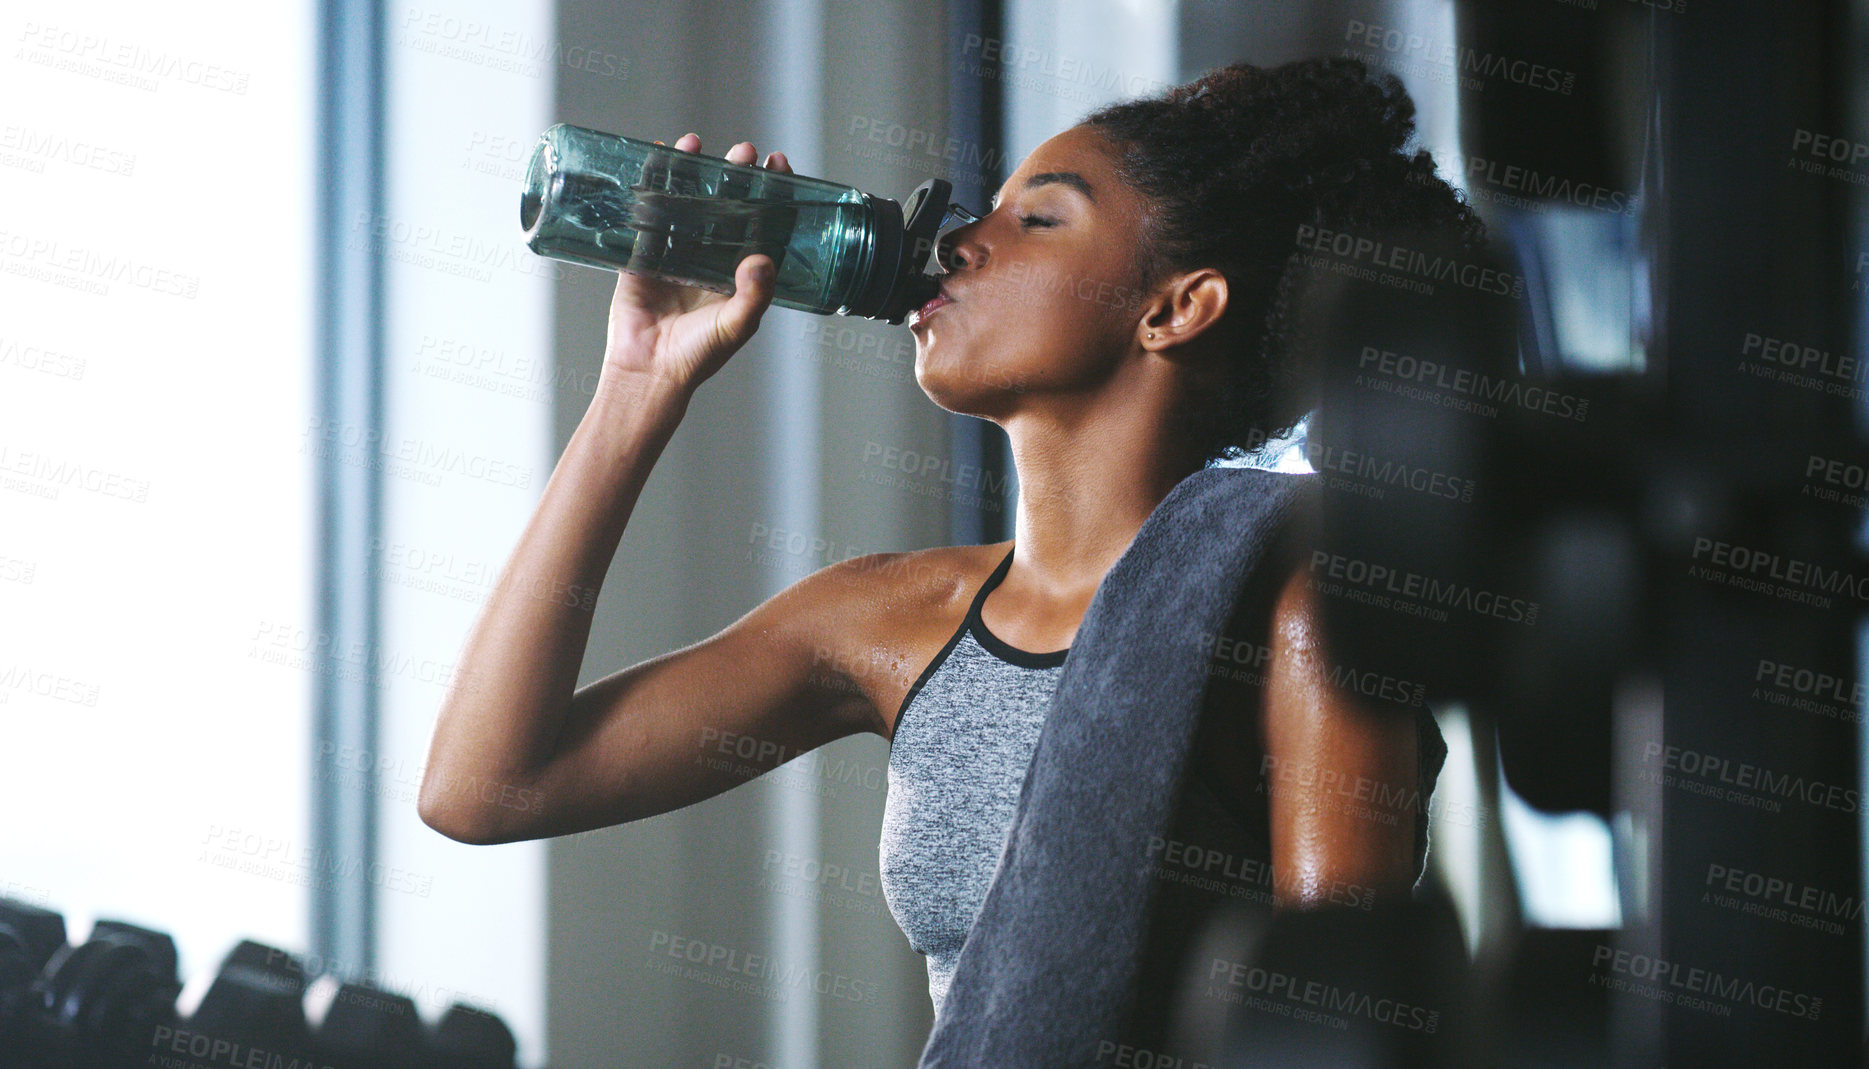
[[1185, 307]]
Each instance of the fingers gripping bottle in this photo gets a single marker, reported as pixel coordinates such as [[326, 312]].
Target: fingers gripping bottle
[[623, 204]]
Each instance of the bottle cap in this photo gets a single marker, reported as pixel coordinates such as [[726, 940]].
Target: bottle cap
[[905, 235]]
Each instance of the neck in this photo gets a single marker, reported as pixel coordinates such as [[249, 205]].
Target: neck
[[1091, 469]]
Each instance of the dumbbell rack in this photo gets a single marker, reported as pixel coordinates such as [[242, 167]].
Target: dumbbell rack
[[110, 1002]]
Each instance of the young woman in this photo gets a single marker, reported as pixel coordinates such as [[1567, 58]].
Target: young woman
[[1120, 314]]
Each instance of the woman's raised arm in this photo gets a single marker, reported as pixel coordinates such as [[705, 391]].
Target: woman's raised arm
[[515, 753]]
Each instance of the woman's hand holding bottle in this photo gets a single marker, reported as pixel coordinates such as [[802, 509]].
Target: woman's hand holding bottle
[[665, 336], [506, 720]]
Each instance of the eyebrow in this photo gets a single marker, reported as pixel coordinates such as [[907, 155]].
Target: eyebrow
[[1067, 178]]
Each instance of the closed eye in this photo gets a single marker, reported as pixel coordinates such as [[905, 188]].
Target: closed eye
[[1036, 220]]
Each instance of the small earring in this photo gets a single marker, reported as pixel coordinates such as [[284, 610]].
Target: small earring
[[1151, 334]]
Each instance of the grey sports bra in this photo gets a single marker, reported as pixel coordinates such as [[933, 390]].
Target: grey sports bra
[[963, 740]]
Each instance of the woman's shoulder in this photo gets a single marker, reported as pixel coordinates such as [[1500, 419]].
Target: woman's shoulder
[[876, 620], [918, 579]]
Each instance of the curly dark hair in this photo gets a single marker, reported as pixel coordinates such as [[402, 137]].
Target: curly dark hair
[[1233, 164]]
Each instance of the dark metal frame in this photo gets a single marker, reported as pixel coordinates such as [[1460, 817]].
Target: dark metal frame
[[976, 115]]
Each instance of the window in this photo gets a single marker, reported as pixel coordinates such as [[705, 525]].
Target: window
[[155, 552]]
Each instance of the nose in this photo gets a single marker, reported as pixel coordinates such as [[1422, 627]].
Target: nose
[[956, 249], [960, 245], [946, 255]]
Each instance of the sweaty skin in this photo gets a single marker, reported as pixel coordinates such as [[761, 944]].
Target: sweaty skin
[[1054, 336], [1351, 832]]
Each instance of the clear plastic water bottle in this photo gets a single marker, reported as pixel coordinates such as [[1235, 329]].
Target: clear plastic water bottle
[[623, 204]]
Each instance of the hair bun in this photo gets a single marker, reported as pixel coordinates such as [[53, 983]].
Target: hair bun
[[1233, 165]]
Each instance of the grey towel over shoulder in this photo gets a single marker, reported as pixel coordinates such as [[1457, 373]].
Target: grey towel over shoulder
[[1051, 965]]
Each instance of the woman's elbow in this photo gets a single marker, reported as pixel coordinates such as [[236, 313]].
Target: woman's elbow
[[450, 824], [463, 818]]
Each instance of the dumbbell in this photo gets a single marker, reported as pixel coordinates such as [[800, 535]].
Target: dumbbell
[[254, 1011], [470, 1038], [29, 936], [1384, 988], [100, 1005], [368, 1028]]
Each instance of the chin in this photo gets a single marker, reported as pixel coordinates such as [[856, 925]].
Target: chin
[[946, 395], [956, 391]]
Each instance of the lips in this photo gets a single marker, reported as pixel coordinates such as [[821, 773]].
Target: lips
[[937, 301]]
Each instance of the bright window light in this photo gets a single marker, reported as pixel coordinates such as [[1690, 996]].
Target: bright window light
[[155, 561]]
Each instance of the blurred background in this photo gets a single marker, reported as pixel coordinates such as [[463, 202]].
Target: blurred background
[[280, 384]]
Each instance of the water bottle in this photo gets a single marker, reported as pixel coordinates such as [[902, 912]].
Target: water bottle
[[623, 204]]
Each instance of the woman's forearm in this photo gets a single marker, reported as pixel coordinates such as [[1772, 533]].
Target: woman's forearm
[[501, 719]]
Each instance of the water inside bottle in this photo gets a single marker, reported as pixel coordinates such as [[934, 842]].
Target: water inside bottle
[[672, 225]]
